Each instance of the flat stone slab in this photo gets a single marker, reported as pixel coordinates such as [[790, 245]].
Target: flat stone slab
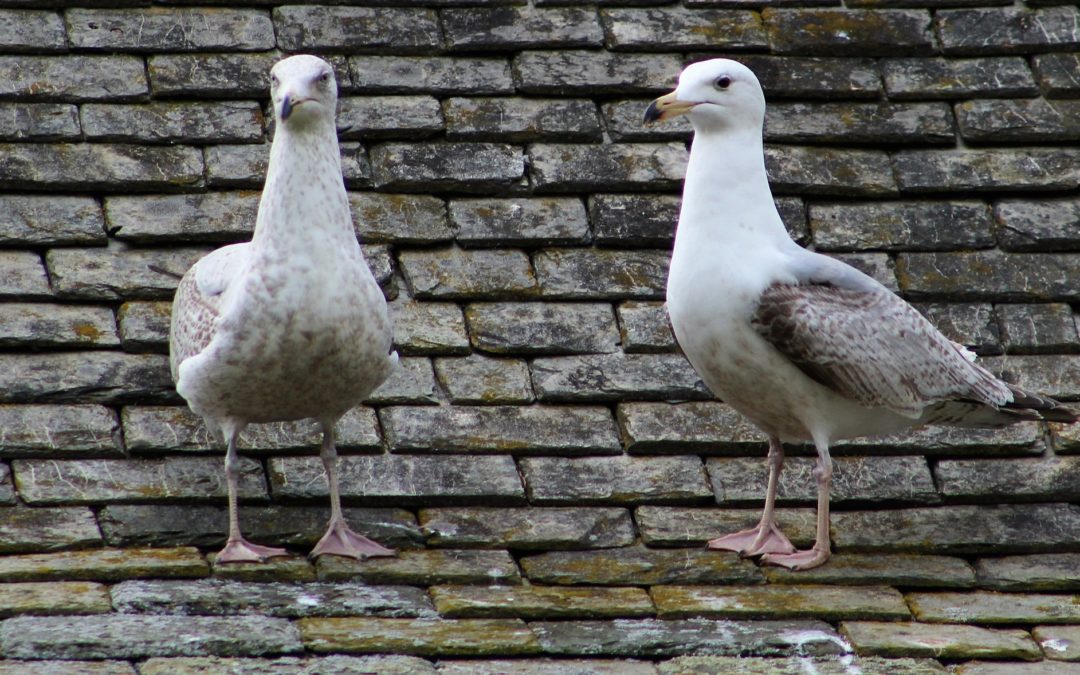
[[78, 430], [118, 636], [546, 666], [1015, 668], [53, 597], [51, 667], [577, 527], [896, 639], [104, 564], [862, 569], [780, 602], [1042, 479], [221, 597], [287, 568], [444, 637], [844, 664], [1043, 572], [25, 530], [615, 480], [288, 665], [986, 607], [637, 565], [1060, 643], [703, 427], [652, 638], [423, 568], [677, 526], [541, 602]]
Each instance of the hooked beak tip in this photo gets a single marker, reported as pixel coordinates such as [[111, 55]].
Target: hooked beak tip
[[666, 107], [286, 107]]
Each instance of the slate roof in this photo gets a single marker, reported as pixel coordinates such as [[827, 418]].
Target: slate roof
[[547, 462]]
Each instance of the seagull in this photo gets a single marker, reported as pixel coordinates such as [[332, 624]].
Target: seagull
[[291, 325], [807, 347]]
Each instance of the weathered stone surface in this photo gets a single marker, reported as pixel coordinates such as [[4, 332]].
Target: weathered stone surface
[[957, 78], [298, 526], [428, 327], [515, 120], [446, 637], [208, 216], [424, 568], [227, 75], [901, 32], [53, 597], [741, 481], [702, 427], [644, 327], [134, 637], [48, 325], [84, 377], [159, 29], [73, 78], [31, 30], [901, 226], [923, 123], [545, 666], [1060, 643], [117, 272], [606, 377], [39, 122], [412, 383], [1045, 572], [364, 117], [633, 220], [841, 665], [625, 125], [288, 665], [144, 326], [1049, 479], [989, 275], [597, 273], [827, 171], [676, 28], [542, 327], [22, 275], [659, 638], [1056, 376], [501, 429], [7, 487], [984, 607], [879, 603], [433, 75], [290, 568], [380, 29], [53, 220], [220, 597], [479, 380], [676, 526], [99, 166], [94, 481], [401, 479], [1004, 30], [1014, 668], [855, 569], [539, 602], [971, 324], [453, 273], [522, 27], [456, 167], [56, 667], [528, 221], [1059, 74], [25, 530], [528, 528], [815, 77], [879, 266], [614, 480], [244, 166], [893, 639], [1002, 528], [922, 171], [1031, 120], [584, 72], [392, 218], [1033, 225], [625, 166], [220, 122], [108, 564]]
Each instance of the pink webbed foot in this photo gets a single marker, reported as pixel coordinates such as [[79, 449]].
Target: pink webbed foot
[[799, 560], [754, 541], [241, 550], [340, 540]]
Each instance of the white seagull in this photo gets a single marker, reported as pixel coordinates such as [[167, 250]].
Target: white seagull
[[805, 346], [291, 325]]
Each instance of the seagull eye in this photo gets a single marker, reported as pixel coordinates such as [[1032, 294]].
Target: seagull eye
[[723, 82], [274, 80], [324, 78]]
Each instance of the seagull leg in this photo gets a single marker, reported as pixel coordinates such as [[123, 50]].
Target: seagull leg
[[238, 549], [766, 537], [804, 560], [339, 539]]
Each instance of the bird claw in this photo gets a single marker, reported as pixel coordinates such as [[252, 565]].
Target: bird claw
[[799, 560], [340, 540], [241, 550], [753, 542]]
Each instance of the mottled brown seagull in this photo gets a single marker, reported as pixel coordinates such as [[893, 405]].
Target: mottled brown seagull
[[805, 346], [291, 325]]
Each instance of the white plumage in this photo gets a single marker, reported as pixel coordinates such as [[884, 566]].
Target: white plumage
[[291, 325], [807, 347]]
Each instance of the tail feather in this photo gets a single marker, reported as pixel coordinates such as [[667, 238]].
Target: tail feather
[[1044, 407]]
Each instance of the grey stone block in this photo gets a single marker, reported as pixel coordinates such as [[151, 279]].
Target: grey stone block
[[583, 72], [849, 123], [400, 30], [402, 479], [1059, 74], [561, 430], [1005, 30], [367, 117], [84, 377], [1027, 120], [958, 78], [827, 171], [868, 569], [993, 608], [140, 636], [205, 122], [52, 220], [525, 221], [99, 167], [433, 75], [608, 377], [456, 167], [1057, 376], [1019, 440], [391, 664], [1034, 225], [36, 325], [887, 32], [454, 273], [424, 328], [634, 220], [144, 326], [59, 430], [596, 273], [644, 327], [399, 218], [22, 275], [615, 480], [671, 28], [638, 565], [638, 166], [1045, 572], [1051, 479], [971, 324], [412, 383], [73, 78], [168, 29], [219, 216], [29, 530], [989, 275], [815, 77], [479, 380], [951, 642], [879, 266], [901, 226], [701, 427], [31, 30], [517, 120], [7, 487], [680, 526], [425, 568], [520, 27], [1038, 329], [625, 124], [117, 272], [877, 602], [39, 122], [542, 327], [224, 75], [528, 529], [923, 171]]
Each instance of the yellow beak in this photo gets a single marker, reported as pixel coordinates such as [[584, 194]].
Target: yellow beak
[[666, 107]]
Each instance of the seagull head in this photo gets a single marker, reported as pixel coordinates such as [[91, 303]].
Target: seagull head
[[719, 94], [303, 89]]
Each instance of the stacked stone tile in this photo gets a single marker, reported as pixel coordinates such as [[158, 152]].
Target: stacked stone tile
[[547, 462]]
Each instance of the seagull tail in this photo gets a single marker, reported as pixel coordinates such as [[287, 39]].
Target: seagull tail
[[1042, 407]]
